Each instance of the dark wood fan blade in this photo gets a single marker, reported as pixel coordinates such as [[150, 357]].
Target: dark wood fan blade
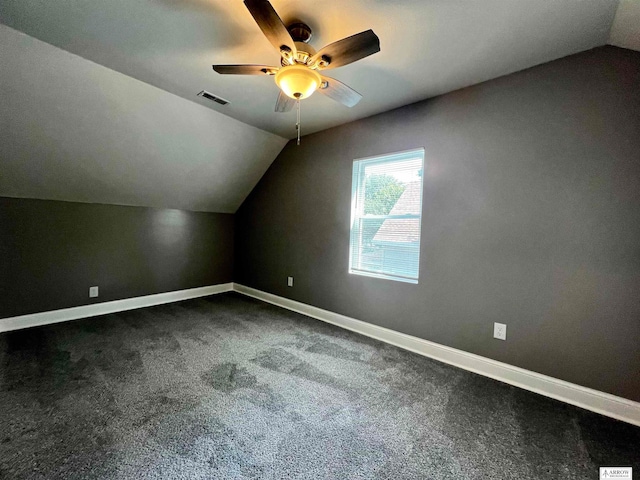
[[339, 92], [245, 69], [284, 103], [348, 50], [271, 24]]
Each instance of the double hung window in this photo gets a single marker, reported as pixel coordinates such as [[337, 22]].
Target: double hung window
[[386, 211]]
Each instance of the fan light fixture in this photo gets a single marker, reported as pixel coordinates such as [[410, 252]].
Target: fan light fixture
[[298, 81]]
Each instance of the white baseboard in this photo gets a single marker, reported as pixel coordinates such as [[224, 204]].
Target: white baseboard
[[74, 313], [584, 397]]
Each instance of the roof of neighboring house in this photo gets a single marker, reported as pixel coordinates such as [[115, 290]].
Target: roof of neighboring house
[[399, 230]]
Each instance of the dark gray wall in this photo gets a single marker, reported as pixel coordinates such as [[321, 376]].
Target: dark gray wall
[[51, 252], [531, 217]]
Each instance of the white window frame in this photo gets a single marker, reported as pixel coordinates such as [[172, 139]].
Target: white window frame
[[357, 212]]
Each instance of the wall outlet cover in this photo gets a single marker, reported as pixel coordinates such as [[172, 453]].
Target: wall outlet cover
[[93, 292], [500, 331], [289, 281]]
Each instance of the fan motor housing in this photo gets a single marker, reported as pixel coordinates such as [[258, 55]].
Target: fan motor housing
[[301, 34]]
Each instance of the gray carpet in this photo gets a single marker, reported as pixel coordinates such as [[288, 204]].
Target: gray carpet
[[228, 387]]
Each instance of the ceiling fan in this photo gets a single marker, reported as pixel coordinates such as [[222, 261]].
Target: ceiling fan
[[298, 76]]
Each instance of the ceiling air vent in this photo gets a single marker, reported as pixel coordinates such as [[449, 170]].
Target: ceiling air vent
[[212, 97]]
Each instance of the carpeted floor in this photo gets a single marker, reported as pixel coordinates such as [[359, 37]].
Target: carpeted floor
[[228, 387]]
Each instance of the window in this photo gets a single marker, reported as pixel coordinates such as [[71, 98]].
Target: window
[[386, 208]]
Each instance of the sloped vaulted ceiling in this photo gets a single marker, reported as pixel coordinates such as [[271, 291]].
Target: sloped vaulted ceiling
[[429, 47], [129, 128], [74, 130]]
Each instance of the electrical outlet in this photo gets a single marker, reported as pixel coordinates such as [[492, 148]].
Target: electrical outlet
[[500, 331], [93, 292], [289, 281]]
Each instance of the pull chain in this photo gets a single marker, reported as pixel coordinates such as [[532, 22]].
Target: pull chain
[[298, 120]]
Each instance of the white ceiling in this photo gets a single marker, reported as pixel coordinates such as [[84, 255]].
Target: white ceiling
[[111, 116], [428, 47], [74, 130]]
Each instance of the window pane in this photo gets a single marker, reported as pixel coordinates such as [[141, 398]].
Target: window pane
[[393, 249], [385, 182]]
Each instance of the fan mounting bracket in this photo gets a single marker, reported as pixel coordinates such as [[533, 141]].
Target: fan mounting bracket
[[300, 32]]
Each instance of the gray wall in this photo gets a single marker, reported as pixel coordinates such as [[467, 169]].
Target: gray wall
[[531, 217], [51, 252]]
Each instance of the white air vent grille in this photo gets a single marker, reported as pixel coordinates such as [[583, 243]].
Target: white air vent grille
[[212, 97]]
